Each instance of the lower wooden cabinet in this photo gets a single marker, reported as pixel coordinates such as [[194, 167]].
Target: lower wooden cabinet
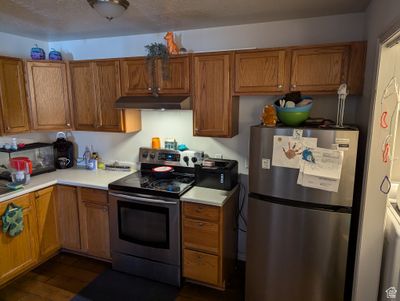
[[83, 220], [209, 241], [45, 203], [19, 253], [94, 224], [68, 217]]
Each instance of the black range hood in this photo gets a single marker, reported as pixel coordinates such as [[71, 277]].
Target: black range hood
[[154, 103]]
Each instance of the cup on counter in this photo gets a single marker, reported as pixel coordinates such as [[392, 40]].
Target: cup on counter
[[92, 164], [63, 162], [155, 142]]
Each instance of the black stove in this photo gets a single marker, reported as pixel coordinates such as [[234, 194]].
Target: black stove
[[147, 182], [171, 185]]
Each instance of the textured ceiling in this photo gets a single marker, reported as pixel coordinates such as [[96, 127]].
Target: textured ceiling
[[75, 19]]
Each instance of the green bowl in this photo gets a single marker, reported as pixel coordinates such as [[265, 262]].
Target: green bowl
[[293, 118]]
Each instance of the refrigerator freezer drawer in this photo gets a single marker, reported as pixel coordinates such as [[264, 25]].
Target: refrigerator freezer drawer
[[295, 253]]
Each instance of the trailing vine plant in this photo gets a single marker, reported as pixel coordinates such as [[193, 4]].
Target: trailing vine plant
[[157, 51]]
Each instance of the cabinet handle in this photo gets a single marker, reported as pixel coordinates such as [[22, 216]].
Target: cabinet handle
[[200, 224], [8, 128], [280, 86]]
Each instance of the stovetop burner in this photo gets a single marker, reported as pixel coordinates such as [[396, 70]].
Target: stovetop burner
[[147, 182]]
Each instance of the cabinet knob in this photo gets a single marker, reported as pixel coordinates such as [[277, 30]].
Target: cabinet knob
[[280, 86], [294, 86], [68, 124], [158, 89], [149, 89], [200, 224], [8, 128]]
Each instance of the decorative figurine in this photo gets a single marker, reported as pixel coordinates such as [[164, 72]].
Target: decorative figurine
[[268, 116], [171, 45]]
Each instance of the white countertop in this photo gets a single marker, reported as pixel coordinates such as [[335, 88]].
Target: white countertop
[[207, 196], [98, 179]]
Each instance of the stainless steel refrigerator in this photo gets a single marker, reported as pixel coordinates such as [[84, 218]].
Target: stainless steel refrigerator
[[297, 238]]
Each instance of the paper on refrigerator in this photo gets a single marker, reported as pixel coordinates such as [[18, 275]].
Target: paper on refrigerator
[[324, 172], [287, 150]]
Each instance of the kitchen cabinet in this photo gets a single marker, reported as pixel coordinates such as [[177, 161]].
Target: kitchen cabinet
[[19, 253], [49, 99], [136, 78], [68, 217], [209, 241], [215, 111], [14, 107], [46, 213], [319, 69], [94, 224], [261, 72], [95, 87]]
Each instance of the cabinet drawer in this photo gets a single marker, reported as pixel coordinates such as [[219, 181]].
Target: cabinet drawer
[[200, 266], [201, 235], [94, 196], [200, 211]]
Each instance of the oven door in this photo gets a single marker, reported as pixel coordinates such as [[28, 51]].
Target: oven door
[[145, 226]]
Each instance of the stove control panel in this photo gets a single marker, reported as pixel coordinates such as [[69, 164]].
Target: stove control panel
[[159, 156]]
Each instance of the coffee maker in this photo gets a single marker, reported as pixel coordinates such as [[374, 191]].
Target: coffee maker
[[63, 152]]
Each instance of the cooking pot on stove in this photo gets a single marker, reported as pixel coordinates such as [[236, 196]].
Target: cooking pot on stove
[[162, 172]]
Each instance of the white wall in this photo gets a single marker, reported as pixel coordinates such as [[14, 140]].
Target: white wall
[[12, 45], [381, 15]]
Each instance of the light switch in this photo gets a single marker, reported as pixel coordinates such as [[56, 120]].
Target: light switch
[[265, 163]]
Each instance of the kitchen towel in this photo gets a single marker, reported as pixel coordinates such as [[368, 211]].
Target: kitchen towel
[[13, 220]]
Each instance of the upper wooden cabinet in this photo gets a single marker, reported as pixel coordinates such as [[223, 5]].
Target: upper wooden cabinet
[[14, 108], [95, 87], [46, 213], [322, 69], [49, 100], [136, 79], [215, 112], [319, 69], [19, 253], [260, 72], [314, 69]]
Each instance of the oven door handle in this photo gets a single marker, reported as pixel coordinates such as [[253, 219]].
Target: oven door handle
[[136, 198]]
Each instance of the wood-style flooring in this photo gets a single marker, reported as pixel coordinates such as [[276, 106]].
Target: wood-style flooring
[[62, 277]]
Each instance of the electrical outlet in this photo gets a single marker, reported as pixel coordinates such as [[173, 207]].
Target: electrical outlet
[[218, 156], [246, 164]]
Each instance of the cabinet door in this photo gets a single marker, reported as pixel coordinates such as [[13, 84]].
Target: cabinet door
[[108, 89], [47, 221], [260, 72], [68, 217], [94, 224], [177, 81], [14, 106], [49, 99], [319, 69], [135, 77], [83, 95], [215, 113], [19, 253]]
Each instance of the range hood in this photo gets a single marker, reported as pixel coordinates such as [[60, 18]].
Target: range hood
[[154, 103]]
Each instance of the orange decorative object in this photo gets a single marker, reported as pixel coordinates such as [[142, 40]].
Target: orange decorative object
[[269, 117], [155, 143], [171, 45]]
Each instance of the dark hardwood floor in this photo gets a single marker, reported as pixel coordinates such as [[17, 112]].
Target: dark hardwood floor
[[63, 276]]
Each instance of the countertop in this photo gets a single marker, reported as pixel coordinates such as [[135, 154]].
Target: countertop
[[208, 196], [98, 179]]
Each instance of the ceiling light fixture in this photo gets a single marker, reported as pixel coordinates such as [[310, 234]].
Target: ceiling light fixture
[[109, 9]]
